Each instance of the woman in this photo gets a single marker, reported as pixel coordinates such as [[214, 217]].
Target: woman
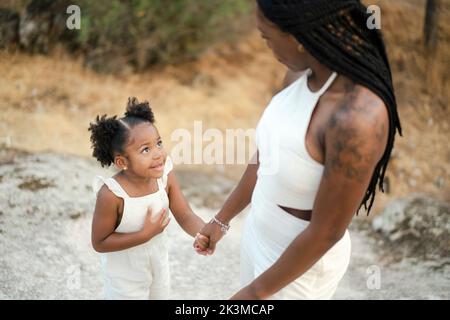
[[323, 147]]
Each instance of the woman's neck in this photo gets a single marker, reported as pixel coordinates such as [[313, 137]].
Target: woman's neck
[[319, 76]]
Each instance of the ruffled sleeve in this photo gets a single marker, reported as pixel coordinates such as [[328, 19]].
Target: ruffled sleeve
[[168, 166], [112, 185]]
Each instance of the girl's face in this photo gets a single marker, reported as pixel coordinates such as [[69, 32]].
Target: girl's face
[[283, 45], [144, 153]]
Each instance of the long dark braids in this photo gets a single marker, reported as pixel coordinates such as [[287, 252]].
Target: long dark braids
[[335, 32]]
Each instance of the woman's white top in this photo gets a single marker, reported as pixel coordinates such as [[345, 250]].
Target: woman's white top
[[287, 174]]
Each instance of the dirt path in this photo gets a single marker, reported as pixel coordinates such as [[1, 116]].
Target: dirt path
[[45, 252]]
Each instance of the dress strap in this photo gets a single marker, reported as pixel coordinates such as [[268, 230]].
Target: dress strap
[[327, 84], [168, 166], [160, 185]]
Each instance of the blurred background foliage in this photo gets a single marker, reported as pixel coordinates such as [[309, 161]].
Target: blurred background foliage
[[148, 32], [131, 33]]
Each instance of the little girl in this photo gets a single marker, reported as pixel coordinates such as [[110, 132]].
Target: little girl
[[131, 212]]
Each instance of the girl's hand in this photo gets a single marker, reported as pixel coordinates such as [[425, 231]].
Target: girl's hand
[[201, 244], [152, 226]]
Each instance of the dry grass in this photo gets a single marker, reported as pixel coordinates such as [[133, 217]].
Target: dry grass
[[47, 103]]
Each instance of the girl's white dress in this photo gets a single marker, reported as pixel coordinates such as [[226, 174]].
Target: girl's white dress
[[140, 272]]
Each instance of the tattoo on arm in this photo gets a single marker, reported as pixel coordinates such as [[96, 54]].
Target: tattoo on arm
[[355, 134]]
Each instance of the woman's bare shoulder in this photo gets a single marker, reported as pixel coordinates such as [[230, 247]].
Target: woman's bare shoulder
[[361, 117], [361, 105], [356, 135]]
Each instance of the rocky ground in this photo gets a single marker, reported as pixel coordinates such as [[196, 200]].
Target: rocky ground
[[46, 205]]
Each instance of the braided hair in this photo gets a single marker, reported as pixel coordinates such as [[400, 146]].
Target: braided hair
[[335, 33], [110, 135]]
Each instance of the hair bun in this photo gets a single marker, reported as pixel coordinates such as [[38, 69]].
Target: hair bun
[[139, 110], [103, 131]]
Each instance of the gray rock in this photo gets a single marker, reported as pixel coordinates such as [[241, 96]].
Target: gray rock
[[418, 224]]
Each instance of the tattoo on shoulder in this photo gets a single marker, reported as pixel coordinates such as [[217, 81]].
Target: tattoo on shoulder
[[350, 152]]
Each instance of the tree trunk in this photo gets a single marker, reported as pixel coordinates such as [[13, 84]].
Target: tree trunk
[[431, 24]]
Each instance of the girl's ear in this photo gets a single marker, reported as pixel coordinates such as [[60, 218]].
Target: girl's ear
[[121, 162]]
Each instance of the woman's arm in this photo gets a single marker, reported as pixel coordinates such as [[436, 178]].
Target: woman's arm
[[236, 202], [105, 239], [355, 141], [186, 218], [241, 196]]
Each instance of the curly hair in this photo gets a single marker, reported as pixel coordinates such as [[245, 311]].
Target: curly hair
[[110, 134], [335, 33]]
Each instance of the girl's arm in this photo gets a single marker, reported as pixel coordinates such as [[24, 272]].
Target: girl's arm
[[186, 218], [355, 141], [105, 239]]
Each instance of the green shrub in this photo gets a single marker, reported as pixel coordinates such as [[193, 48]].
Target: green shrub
[[141, 33]]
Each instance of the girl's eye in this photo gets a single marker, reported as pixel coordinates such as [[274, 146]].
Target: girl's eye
[[147, 149]]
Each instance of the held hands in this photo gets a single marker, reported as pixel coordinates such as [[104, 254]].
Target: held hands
[[207, 238], [155, 224], [201, 244]]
